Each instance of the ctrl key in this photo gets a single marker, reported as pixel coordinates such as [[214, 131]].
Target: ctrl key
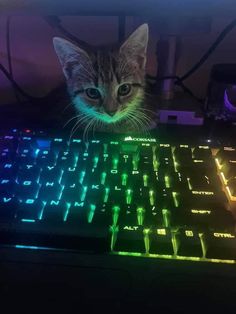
[[220, 245], [128, 239]]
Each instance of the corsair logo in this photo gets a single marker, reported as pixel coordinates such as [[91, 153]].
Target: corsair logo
[[139, 139]]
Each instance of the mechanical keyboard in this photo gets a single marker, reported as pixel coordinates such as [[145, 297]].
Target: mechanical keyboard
[[125, 196]]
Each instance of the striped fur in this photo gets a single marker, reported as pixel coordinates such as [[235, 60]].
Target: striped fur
[[106, 71]]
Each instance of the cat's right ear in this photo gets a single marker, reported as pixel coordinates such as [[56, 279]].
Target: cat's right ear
[[69, 55]]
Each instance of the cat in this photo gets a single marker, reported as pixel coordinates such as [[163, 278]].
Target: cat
[[106, 85]]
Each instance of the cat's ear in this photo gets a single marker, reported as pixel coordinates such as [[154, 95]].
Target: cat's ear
[[136, 45], [69, 55]]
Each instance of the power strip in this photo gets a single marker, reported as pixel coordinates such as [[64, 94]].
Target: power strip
[[183, 117]]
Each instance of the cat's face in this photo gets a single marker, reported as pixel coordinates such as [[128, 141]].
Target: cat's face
[[106, 85]]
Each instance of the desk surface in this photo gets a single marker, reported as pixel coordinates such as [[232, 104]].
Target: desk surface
[[114, 7]]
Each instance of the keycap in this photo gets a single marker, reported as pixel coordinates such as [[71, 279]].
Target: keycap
[[229, 169], [51, 174], [161, 241], [202, 217], [55, 211], [183, 155], [50, 191], [220, 245], [232, 186], [28, 172], [78, 214], [29, 209], [7, 187], [8, 207], [130, 239], [188, 243], [26, 189], [202, 153], [72, 192], [226, 154]]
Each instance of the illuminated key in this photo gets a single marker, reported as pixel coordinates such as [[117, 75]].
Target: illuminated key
[[188, 243], [161, 241], [220, 244], [8, 207], [130, 238], [55, 211], [29, 209], [128, 194], [140, 215]]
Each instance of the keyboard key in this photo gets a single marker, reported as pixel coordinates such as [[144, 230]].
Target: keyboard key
[[188, 243], [8, 207], [161, 241], [7, 187], [220, 245], [29, 209], [28, 172], [26, 189], [72, 192], [50, 191], [55, 211], [51, 174], [130, 239]]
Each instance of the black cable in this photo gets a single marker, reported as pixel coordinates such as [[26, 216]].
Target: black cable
[[178, 82], [8, 21], [9, 59], [55, 22], [212, 48], [15, 84]]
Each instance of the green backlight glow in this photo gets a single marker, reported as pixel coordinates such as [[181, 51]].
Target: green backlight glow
[[176, 257], [175, 199], [128, 196], [151, 198], [115, 163], [167, 181], [85, 188], [115, 216], [140, 215], [107, 191], [103, 177], [166, 214], [145, 180], [189, 184], [124, 178], [28, 220], [91, 212]]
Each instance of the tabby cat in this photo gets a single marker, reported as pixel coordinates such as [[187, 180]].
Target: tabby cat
[[107, 84]]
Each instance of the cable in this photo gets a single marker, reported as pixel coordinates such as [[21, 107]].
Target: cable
[[178, 82], [9, 59], [55, 22], [212, 48]]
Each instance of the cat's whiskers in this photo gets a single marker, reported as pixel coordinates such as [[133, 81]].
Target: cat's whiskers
[[133, 123], [148, 110], [77, 125], [86, 130], [141, 119], [73, 118], [67, 106]]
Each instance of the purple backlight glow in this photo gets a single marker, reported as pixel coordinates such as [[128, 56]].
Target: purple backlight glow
[[228, 104]]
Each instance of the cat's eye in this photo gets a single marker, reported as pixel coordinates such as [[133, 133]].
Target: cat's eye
[[124, 89], [93, 93]]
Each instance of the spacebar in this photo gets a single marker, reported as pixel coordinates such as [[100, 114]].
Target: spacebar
[[85, 238]]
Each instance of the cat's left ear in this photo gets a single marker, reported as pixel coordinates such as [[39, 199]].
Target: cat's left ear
[[70, 56], [136, 45]]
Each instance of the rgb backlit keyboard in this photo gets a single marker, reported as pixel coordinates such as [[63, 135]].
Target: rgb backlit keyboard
[[135, 196]]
